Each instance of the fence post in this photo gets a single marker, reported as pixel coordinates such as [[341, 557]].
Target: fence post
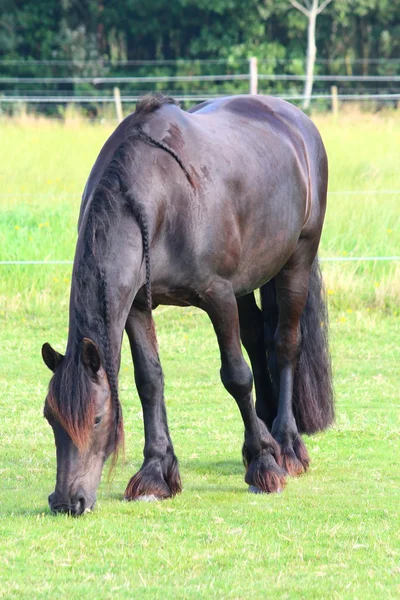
[[253, 75], [118, 104], [335, 100]]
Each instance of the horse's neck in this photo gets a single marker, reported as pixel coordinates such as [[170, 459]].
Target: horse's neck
[[100, 301]]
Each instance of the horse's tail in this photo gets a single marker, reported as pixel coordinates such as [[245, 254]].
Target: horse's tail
[[313, 400]]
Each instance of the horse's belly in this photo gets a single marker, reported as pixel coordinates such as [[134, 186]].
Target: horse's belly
[[251, 251], [261, 264]]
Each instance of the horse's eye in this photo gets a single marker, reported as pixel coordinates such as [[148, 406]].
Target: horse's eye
[[98, 420]]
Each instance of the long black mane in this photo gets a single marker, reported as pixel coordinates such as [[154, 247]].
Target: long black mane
[[69, 392], [69, 389], [113, 192]]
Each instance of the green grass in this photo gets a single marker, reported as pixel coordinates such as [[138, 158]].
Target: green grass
[[362, 151], [333, 533]]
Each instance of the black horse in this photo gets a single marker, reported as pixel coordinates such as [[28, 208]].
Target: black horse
[[196, 208]]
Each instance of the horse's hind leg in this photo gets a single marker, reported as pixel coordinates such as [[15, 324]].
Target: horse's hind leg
[[260, 451], [158, 477], [252, 333], [291, 295]]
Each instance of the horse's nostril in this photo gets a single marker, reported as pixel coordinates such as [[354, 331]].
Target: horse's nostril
[[80, 505]]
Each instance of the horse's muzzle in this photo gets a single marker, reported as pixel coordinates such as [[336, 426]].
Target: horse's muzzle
[[78, 505]]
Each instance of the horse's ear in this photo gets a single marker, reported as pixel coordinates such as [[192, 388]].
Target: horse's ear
[[90, 355], [51, 358]]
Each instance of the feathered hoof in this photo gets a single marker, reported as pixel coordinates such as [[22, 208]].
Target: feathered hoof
[[295, 459], [143, 486], [265, 476], [255, 490], [149, 483]]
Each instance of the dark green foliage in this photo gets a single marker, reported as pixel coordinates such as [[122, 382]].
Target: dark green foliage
[[196, 37], [204, 29]]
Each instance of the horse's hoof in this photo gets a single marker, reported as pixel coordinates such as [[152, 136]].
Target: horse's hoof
[[255, 490], [295, 459], [147, 486], [147, 498], [265, 475], [152, 482]]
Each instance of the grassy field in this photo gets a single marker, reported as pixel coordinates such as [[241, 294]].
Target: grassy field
[[45, 166], [333, 533]]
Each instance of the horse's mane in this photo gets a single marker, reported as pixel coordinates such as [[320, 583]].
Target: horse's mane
[[69, 399], [69, 391], [151, 102], [69, 396]]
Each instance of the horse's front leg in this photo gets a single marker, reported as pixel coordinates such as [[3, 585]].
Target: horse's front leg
[[260, 451], [158, 477]]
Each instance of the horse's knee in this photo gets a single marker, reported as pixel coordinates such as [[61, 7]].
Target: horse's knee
[[237, 378]]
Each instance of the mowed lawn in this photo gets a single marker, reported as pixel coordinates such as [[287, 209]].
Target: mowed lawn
[[333, 533]]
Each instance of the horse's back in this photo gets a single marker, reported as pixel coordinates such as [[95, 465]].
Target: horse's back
[[281, 141], [268, 111], [250, 160], [264, 115]]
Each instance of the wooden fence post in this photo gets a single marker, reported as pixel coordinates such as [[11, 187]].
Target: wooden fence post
[[118, 104], [335, 100], [253, 75]]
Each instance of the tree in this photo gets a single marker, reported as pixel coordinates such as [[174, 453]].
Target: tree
[[311, 10]]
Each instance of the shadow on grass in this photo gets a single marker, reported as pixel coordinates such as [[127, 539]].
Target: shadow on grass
[[189, 489], [199, 468], [220, 468]]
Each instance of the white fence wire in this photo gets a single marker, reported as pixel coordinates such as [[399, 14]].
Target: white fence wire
[[74, 195], [102, 85], [321, 259], [196, 78], [182, 98]]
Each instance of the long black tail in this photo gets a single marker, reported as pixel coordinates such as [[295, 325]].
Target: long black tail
[[313, 400]]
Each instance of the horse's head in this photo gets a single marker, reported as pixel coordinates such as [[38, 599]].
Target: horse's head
[[81, 412]]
